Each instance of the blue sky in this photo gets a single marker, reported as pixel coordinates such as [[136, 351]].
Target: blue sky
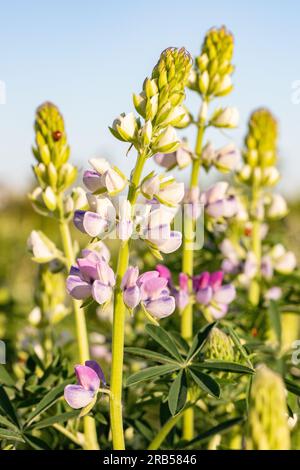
[[88, 57]]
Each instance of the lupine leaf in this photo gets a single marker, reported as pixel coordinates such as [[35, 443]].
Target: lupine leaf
[[164, 339], [48, 400], [150, 373], [7, 407], [178, 393], [151, 355], [35, 442], [224, 366], [5, 378], [200, 340], [292, 387], [205, 382], [225, 426], [10, 435], [44, 423]]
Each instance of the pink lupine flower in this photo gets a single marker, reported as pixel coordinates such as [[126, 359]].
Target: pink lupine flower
[[212, 294], [96, 221], [155, 295], [181, 294], [104, 178], [91, 276], [182, 157], [85, 391], [218, 203], [131, 291]]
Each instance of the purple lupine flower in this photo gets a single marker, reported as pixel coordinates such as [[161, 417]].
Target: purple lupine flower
[[91, 276], [211, 294], [89, 378], [155, 295], [157, 230], [131, 291], [181, 294], [217, 202], [96, 221]]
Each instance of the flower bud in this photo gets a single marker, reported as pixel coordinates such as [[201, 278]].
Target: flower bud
[[42, 248], [167, 141], [277, 208], [227, 158], [125, 127], [270, 176], [49, 198], [225, 118]]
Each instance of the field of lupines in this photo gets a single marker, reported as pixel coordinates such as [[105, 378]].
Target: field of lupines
[[159, 315]]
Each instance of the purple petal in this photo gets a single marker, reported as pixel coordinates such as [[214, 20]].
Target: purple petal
[[89, 222], [101, 293], [92, 180], [87, 378], [204, 296], [74, 271], [87, 268], [225, 294], [95, 366], [204, 280], [105, 274], [132, 296], [78, 288], [77, 397], [162, 307]]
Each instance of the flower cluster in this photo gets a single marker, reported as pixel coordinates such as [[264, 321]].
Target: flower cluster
[[149, 290], [212, 295], [92, 276]]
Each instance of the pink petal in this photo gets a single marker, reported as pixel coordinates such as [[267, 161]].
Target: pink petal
[[87, 268], [164, 271], [77, 397], [87, 378], [153, 287], [216, 279], [146, 276], [95, 366], [130, 277], [92, 180]]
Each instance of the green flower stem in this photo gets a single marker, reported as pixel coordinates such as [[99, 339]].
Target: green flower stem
[[116, 386], [67, 433], [81, 329], [165, 430], [188, 263], [254, 291]]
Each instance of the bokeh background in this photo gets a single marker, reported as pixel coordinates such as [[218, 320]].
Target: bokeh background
[[88, 57]]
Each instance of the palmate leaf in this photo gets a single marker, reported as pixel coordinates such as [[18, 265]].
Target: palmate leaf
[[178, 393], [224, 366], [205, 382], [151, 355], [35, 442], [48, 400], [164, 340], [200, 340], [151, 373], [10, 435]]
